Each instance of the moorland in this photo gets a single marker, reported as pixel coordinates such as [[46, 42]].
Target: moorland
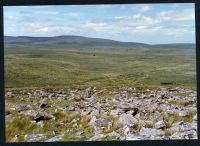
[[78, 88]]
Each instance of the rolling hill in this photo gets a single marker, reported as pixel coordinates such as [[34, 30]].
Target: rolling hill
[[80, 42], [82, 61]]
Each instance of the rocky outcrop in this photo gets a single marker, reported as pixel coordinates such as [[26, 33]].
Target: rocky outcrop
[[89, 114]]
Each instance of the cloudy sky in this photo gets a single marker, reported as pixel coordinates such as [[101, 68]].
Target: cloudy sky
[[154, 24]]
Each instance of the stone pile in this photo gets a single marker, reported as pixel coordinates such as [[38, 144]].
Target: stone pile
[[128, 114]]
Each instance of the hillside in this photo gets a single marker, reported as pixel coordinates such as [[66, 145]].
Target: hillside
[[93, 44], [70, 41], [67, 60], [72, 88]]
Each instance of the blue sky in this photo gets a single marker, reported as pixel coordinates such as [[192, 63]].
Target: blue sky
[[146, 23]]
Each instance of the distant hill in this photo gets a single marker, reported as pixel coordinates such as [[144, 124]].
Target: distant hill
[[95, 44], [67, 40], [25, 39], [64, 39]]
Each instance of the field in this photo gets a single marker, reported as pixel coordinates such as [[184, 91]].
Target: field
[[94, 83], [27, 66]]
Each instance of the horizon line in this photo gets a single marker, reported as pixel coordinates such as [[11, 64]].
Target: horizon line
[[101, 38]]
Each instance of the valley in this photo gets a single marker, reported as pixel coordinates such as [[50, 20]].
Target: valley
[[83, 89]]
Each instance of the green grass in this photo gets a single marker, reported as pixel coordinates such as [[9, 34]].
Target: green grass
[[30, 68], [43, 67], [19, 126]]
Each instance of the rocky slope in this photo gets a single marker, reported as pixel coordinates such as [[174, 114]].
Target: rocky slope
[[100, 114]]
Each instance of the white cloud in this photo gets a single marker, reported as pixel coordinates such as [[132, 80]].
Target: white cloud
[[145, 19], [48, 12], [45, 12], [141, 24], [141, 27], [184, 15], [177, 32], [99, 27], [135, 20], [148, 29], [127, 25], [155, 25], [145, 8], [44, 29]]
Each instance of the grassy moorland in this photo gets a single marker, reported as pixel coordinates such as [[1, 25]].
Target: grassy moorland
[[85, 81], [50, 65]]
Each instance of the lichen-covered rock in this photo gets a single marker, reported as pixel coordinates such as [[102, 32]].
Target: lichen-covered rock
[[153, 114], [95, 112], [55, 138], [114, 134], [97, 137], [160, 125], [44, 103], [35, 137], [150, 132], [93, 121], [190, 134], [32, 113], [115, 112], [103, 121], [156, 116], [136, 137], [127, 119], [185, 113]]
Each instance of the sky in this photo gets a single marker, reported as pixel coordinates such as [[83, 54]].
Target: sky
[[144, 23]]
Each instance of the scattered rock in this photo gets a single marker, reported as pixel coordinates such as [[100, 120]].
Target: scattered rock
[[48, 116], [136, 137], [9, 94], [95, 112], [127, 119], [115, 112], [55, 138], [32, 113], [190, 134], [156, 116], [51, 96], [97, 137], [20, 107], [44, 104], [103, 121], [93, 121], [35, 137], [150, 132], [185, 113], [160, 125], [85, 113], [183, 126], [114, 134], [195, 117], [128, 130], [127, 115]]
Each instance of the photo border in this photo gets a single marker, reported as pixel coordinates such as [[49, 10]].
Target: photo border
[[97, 143]]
